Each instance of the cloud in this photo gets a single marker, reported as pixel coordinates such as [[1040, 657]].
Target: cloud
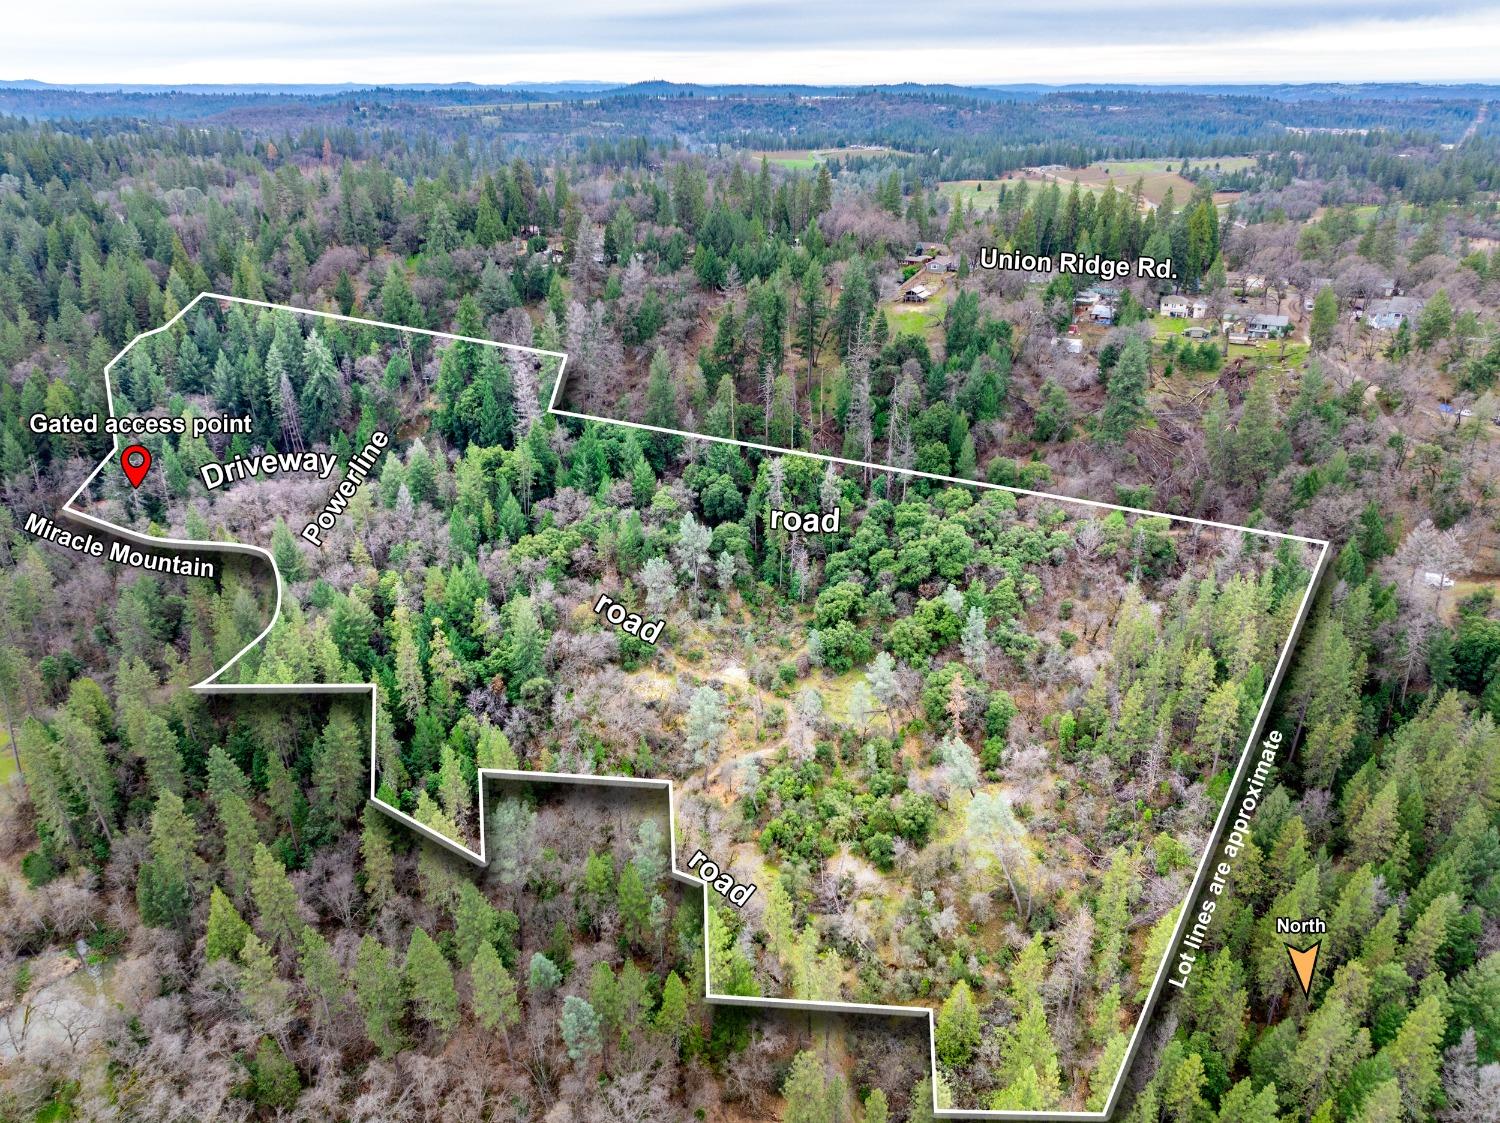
[[761, 41]]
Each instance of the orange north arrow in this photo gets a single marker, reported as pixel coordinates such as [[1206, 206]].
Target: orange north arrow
[[1303, 963]]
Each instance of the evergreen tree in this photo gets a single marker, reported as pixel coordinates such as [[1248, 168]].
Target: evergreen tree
[[1325, 319], [379, 865], [275, 899], [671, 1017], [580, 1028], [493, 992], [634, 903], [958, 1027], [806, 1091], [380, 992], [321, 977], [164, 889], [543, 975], [1125, 395], [429, 982], [476, 922], [1413, 1055], [226, 928]]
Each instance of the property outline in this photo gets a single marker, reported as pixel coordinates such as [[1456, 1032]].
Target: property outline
[[211, 685]]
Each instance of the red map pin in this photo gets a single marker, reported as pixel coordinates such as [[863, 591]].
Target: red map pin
[[136, 460]]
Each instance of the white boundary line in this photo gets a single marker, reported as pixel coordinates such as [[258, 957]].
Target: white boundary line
[[212, 685], [779, 450]]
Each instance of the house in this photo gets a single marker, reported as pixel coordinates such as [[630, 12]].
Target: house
[[1086, 297], [1315, 286], [917, 294], [1102, 313], [1436, 580], [1071, 344], [1196, 333], [1268, 327], [1388, 315], [1182, 307], [1253, 282], [943, 263]]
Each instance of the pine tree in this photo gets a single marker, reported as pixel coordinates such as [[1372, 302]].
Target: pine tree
[[339, 768], [661, 395], [1029, 1053], [241, 837], [1382, 1105], [381, 995], [226, 931], [806, 1091], [429, 982], [1102, 1079], [410, 684], [1182, 1096], [671, 1018], [1243, 1104], [542, 975], [1325, 319], [1329, 1048], [475, 923], [1435, 321], [634, 904], [1125, 395], [580, 1028], [1413, 1055], [275, 1082], [493, 992], [921, 1102], [81, 746], [275, 899], [321, 977], [264, 993], [379, 865], [525, 646], [158, 748], [958, 1027], [164, 890]]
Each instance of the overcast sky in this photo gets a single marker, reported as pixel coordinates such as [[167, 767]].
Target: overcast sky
[[965, 41]]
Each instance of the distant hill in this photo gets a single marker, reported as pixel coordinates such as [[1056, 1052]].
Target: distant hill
[[1317, 91]]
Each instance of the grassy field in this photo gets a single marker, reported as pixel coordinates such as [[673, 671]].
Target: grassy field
[[1154, 174], [1168, 326], [916, 319], [1365, 212], [1265, 354], [7, 759], [1157, 166], [804, 158]]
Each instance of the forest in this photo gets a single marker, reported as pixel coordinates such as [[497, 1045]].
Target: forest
[[208, 919]]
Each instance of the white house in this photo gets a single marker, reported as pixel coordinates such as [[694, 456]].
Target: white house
[[1268, 327], [1180, 306], [1387, 315]]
